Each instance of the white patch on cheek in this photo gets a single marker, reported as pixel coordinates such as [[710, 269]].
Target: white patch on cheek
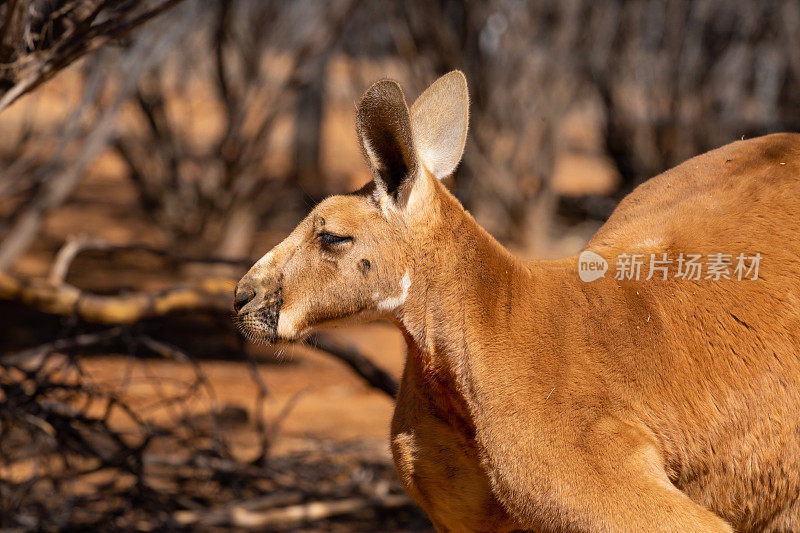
[[287, 324], [390, 304]]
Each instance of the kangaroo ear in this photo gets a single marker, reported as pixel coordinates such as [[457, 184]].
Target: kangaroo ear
[[384, 130], [439, 120]]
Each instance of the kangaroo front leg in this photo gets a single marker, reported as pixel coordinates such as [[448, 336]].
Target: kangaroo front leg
[[609, 479], [639, 501]]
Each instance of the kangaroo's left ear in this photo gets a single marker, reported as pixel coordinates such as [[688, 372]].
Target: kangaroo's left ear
[[384, 130], [439, 121]]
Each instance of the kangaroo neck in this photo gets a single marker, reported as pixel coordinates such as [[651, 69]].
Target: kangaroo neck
[[466, 296]]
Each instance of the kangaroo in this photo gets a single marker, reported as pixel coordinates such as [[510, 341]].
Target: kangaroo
[[534, 400]]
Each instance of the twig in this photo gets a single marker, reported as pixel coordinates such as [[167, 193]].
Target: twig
[[348, 354], [82, 243], [58, 187], [260, 401], [71, 249], [219, 516], [28, 357], [125, 309], [275, 426], [36, 69], [172, 352]]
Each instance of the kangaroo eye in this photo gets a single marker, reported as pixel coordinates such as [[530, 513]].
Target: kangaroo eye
[[332, 240]]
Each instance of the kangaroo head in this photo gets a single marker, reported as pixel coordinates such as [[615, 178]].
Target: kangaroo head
[[353, 257]]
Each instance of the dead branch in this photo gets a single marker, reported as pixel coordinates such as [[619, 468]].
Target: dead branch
[[58, 183], [152, 475], [27, 63], [121, 309], [83, 243], [221, 515], [125, 309], [53, 296], [33, 356], [211, 196], [241, 516], [359, 363], [47, 419]]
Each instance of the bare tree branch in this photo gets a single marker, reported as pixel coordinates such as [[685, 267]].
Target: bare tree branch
[[129, 308], [82, 243], [33, 356], [31, 66], [58, 187]]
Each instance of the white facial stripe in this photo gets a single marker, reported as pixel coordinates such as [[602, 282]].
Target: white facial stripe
[[266, 260], [390, 304]]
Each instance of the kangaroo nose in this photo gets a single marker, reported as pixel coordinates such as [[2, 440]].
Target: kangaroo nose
[[242, 297]]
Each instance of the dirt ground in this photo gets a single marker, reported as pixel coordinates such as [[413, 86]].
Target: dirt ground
[[318, 401], [329, 402]]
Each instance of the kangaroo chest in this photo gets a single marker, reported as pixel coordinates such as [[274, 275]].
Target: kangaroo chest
[[439, 464]]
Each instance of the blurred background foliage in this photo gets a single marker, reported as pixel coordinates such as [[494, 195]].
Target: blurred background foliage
[[230, 115], [149, 150]]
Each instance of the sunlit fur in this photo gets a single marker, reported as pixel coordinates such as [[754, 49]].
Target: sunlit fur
[[532, 400]]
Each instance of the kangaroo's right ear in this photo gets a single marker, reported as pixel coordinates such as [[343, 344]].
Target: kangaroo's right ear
[[384, 130]]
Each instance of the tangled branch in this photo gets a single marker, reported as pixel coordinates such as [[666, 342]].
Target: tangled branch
[[169, 462], [38, 39], [74, 451]]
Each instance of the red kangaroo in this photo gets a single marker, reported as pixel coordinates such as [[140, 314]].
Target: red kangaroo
[[533, 400]]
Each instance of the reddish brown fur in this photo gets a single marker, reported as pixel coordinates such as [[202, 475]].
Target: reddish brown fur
[[533, 400]]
